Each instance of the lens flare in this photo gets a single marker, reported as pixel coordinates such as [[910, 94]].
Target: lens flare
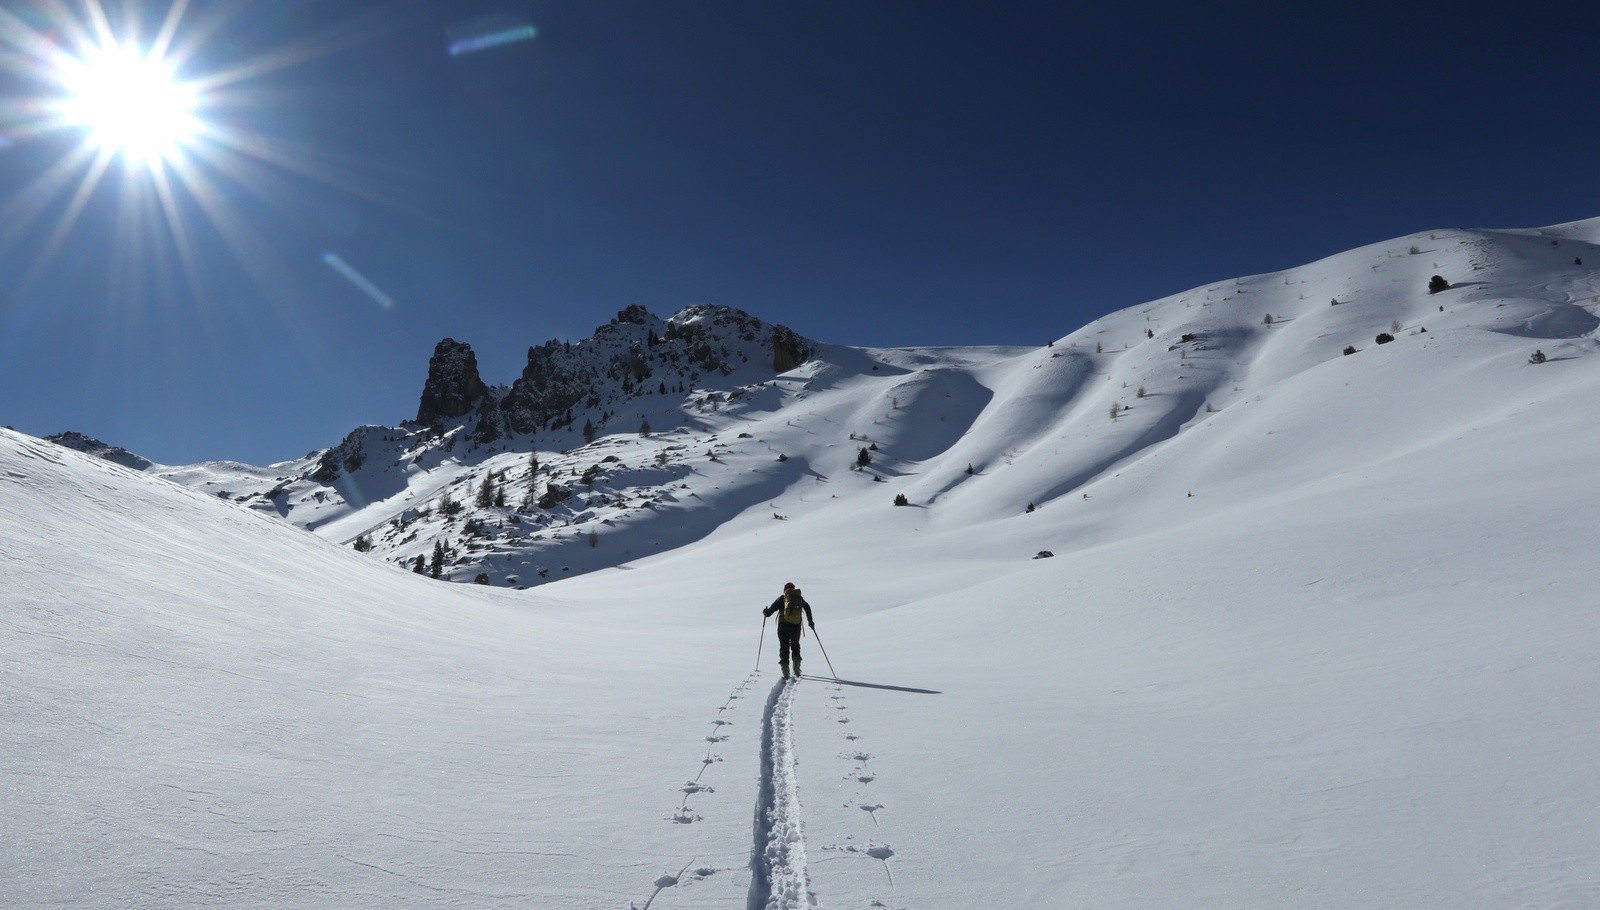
[[361, 281], [486, 33]]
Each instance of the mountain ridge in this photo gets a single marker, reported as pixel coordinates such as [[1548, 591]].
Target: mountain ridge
[[469, 489]]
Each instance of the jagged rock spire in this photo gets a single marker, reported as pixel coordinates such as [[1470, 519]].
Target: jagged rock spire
[[453, 387]]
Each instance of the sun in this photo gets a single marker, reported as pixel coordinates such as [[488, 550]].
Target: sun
[[131, 103], [154, 134]]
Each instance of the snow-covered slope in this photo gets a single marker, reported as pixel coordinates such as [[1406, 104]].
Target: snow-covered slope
[[1317, 633], [977, 433]]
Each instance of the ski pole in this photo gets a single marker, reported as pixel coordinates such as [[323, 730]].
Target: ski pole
[[822, 649], [761, 641]]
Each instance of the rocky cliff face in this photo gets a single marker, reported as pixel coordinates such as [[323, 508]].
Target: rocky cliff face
[[453, 387], [789, 349], [636, 350]]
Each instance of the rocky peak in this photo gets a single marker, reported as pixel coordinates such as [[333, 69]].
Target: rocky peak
[[454, 387], [91, 446]]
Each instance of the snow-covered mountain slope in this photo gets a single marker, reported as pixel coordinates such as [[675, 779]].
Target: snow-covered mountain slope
[[977, 434], [1318, 632]]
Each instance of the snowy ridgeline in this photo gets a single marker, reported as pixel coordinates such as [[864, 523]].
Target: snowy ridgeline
[[981, 434], [1318, 632]]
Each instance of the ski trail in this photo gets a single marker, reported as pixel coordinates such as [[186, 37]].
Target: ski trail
[[778, 857]]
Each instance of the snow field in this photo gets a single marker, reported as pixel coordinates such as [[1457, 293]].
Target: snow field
[[1353, 669]]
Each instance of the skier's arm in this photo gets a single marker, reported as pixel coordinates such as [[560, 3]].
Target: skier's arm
[[809, 621]]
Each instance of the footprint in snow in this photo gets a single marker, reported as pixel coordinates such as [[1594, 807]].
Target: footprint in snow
[[693, 787]]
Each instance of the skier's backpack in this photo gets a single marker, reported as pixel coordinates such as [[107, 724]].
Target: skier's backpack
[[791, 607]]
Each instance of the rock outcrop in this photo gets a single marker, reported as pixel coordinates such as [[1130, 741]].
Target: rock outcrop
[[453, 387]]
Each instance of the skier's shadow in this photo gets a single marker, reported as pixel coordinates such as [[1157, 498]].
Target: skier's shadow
[[867, 685]]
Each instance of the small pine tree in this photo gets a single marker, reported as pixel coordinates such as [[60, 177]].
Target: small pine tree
[[1437, 284], [485, 492], [1538, 357], [1384, 338], [863, 458], [589, 432], [1141, 393], [1116, 410], [1349, 350], [1267, 319], [420, 566], [436, 567], [901, 500], [1030, 508], [448, 507], [362, 544], [644, 428], [969, 468]]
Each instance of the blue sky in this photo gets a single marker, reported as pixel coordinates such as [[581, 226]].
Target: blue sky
[[887, 173]]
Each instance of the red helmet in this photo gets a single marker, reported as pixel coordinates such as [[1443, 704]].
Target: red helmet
[[788, 586]]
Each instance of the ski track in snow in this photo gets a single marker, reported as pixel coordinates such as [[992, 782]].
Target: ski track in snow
[[778, 856], [779, 877]]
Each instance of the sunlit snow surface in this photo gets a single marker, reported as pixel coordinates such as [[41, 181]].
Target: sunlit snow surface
[[1355, 668]]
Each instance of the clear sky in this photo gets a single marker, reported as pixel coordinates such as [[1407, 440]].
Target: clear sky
[[371, 176]]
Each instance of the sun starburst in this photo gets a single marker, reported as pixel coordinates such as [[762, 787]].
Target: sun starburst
[[130, 102], [139, 103]]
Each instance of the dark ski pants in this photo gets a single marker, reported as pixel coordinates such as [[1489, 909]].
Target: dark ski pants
[[788, 641]]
